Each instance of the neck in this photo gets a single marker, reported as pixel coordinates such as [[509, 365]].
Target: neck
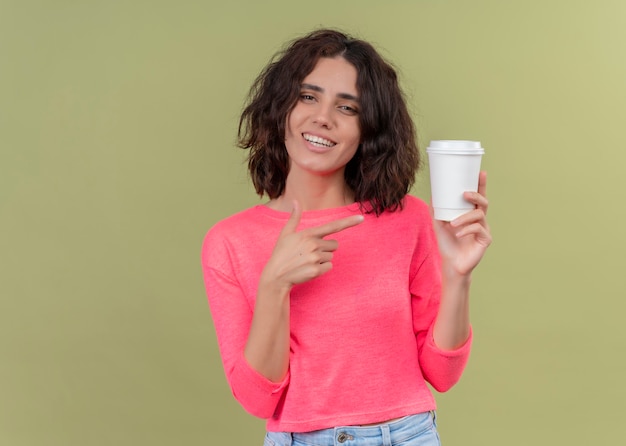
[[314, 192]]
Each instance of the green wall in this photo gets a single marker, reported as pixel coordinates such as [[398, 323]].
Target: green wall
[[117, 130]]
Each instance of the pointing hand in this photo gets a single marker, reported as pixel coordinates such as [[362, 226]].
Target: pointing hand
[[300, 256]]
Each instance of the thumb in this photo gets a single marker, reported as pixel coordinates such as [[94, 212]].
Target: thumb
[[294, 219]]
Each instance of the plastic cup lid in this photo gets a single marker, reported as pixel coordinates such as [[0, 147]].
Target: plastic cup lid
[[455, 146]]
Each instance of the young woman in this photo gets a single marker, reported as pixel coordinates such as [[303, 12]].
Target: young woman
[[338, 299]]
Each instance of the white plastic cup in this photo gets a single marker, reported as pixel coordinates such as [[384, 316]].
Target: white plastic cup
[[454, 169]]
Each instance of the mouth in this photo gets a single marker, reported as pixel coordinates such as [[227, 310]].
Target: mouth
[[318, 141]]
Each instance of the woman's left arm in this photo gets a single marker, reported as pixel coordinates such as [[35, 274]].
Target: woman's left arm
[[462, 244]]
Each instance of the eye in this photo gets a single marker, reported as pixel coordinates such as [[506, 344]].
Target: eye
[[306, 97], [348, 109]]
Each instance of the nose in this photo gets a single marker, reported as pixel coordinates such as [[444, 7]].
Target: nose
[[323, 116]]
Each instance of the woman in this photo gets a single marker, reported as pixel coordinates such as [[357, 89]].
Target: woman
[[337, 300]]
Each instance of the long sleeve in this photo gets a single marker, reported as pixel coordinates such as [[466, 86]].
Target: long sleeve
[[441, 368], [232, 315]]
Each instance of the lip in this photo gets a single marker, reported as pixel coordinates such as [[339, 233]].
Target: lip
[[314, 148]]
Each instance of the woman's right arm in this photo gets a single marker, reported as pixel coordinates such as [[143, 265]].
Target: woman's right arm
[[267, 346], [254, 344], [232, 317], [298, 257]]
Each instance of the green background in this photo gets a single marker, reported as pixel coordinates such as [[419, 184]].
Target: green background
[[117, 153]]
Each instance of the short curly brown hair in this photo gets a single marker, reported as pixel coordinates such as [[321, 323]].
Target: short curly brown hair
[[383, 169]]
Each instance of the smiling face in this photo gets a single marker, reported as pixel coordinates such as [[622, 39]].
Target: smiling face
[[322, 132]]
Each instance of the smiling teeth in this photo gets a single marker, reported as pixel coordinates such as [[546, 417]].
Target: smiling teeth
[[319, 141]]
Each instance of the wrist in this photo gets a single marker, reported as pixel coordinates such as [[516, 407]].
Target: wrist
[[273, 287], [453, 277]]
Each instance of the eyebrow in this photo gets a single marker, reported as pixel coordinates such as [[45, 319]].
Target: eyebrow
[[319, 89]]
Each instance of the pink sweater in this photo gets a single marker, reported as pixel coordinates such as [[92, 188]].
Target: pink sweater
[[361, 335]]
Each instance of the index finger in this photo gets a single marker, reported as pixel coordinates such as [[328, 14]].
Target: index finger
[[482, 183], [336, 226], [294, 219]]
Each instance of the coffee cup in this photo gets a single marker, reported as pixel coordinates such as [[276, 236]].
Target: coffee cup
[[454, 169]]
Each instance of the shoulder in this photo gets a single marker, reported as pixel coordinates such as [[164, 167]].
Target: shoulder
[[231, 231], [414, 205], [234, 224], [413, 210], [419, 213], [415, 218], [409, 221]]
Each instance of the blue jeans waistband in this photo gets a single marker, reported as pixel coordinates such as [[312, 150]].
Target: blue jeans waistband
[[419, 429]]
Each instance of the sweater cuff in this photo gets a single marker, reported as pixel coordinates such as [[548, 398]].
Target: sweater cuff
[[260, 382], [463, 350], [443, 368], [258, 395]]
